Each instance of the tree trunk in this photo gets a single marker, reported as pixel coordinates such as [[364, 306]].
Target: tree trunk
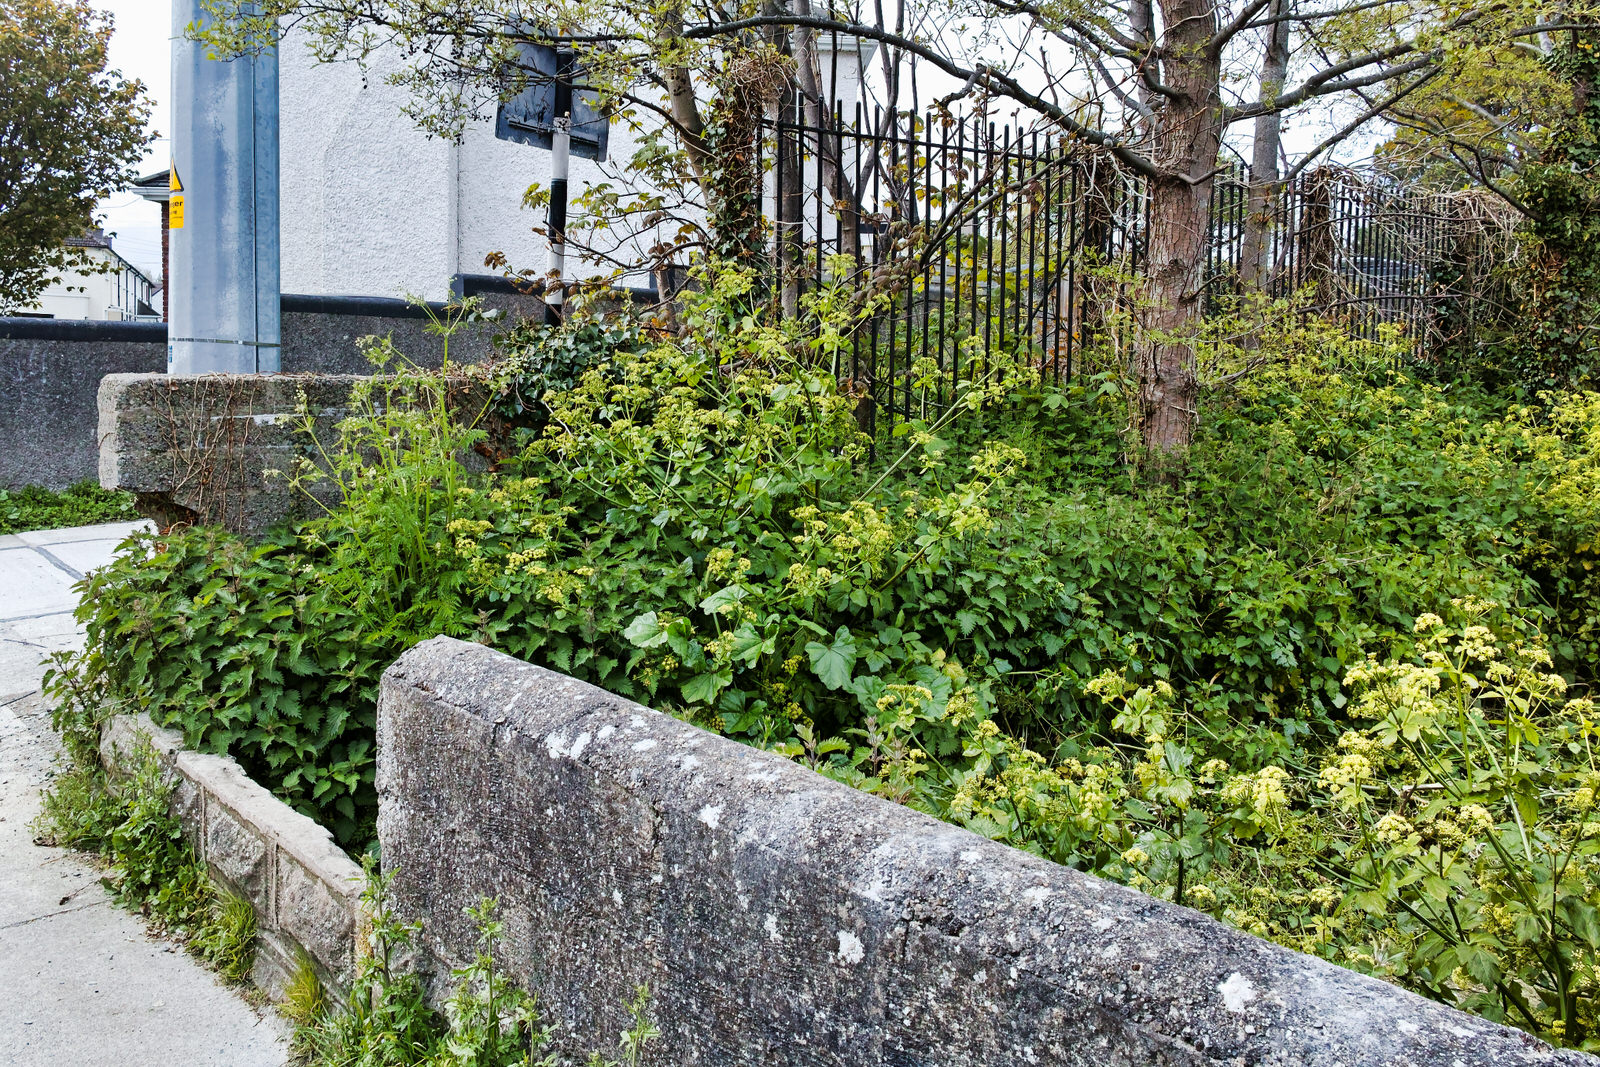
[[1142, 27], [681, 97], [1255, 267], [1174, 272], [836, 190], [1188, 134]]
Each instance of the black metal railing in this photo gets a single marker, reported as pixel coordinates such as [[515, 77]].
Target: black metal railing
[[974, 239]]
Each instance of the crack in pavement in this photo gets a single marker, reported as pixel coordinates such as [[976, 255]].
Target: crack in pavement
[[58, 911]]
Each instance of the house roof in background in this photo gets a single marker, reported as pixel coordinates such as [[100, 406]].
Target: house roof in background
[[95, 238], [154, 187], [98, 238]]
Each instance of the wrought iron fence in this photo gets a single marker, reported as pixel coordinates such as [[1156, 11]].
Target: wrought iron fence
[[976, 238]]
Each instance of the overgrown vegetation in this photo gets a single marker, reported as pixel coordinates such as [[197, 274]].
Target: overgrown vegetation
[[149, 866], [1537, 329], [1326, 686], [34, 507], [488, 1020]]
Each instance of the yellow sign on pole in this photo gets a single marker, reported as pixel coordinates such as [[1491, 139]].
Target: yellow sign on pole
[[175, 201]]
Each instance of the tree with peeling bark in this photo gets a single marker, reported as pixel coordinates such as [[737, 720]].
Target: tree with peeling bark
[[1157, 84]]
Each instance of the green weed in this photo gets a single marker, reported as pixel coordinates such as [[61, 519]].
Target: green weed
[[149, 866], [992, 618], [227, 939], [85, 504], [487, 1020], [304, 999]]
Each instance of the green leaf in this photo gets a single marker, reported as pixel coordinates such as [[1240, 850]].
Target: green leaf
[[646, 631], [703, 688], [722, 598], [834, 663], [749, 646]]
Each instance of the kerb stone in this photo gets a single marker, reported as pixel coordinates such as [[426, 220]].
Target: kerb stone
[[305, 890]]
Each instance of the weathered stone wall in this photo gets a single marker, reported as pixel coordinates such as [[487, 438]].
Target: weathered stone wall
[[48, 386], [781, 918], [305, 890], [196, 448], [218, 448], [50, 370]]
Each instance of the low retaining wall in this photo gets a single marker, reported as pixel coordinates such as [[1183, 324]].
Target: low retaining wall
[[305, 889], [195, 448], [780, 917], [50, 370], [198, 448], [48, 383]]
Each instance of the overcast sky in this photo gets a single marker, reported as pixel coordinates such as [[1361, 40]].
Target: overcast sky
[[140, 48]]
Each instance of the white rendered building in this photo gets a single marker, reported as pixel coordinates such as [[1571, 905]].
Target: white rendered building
[[119, 293], [372, 206], [369, 205]]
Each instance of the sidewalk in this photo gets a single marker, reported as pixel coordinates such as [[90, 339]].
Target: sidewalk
[[80, 980]]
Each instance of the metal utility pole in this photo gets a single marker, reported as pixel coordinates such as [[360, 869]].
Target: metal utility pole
[[560, 151], [223, 282]]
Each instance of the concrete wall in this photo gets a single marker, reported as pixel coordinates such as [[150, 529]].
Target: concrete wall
[[780, 917], [365, 200], [50, 371], [195, 449], [49, 378], [214, 449]]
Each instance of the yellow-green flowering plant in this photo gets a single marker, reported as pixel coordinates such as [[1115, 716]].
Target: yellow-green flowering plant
[[1448, 838], [986, 616], [1465, 790]]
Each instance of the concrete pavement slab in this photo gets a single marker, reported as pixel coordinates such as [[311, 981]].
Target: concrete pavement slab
[[81, 981], [30, 584], [43, 629], [83, 556], [21, 664], [113, 531]]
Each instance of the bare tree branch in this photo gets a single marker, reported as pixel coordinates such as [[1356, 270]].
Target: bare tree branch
[[984, 73]]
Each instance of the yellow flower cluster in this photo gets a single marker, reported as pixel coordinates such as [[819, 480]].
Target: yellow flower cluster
[[1392, 828], [1343, 777], [1262, 793], [721, 564]]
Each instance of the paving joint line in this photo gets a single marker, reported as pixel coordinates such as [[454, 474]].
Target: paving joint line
[[47, 554], [41, 615]]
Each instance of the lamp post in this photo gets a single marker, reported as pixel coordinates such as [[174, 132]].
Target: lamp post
[[223, 208]]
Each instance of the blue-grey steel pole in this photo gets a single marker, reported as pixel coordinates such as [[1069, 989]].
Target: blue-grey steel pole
[[224, 269], [560, 153]]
